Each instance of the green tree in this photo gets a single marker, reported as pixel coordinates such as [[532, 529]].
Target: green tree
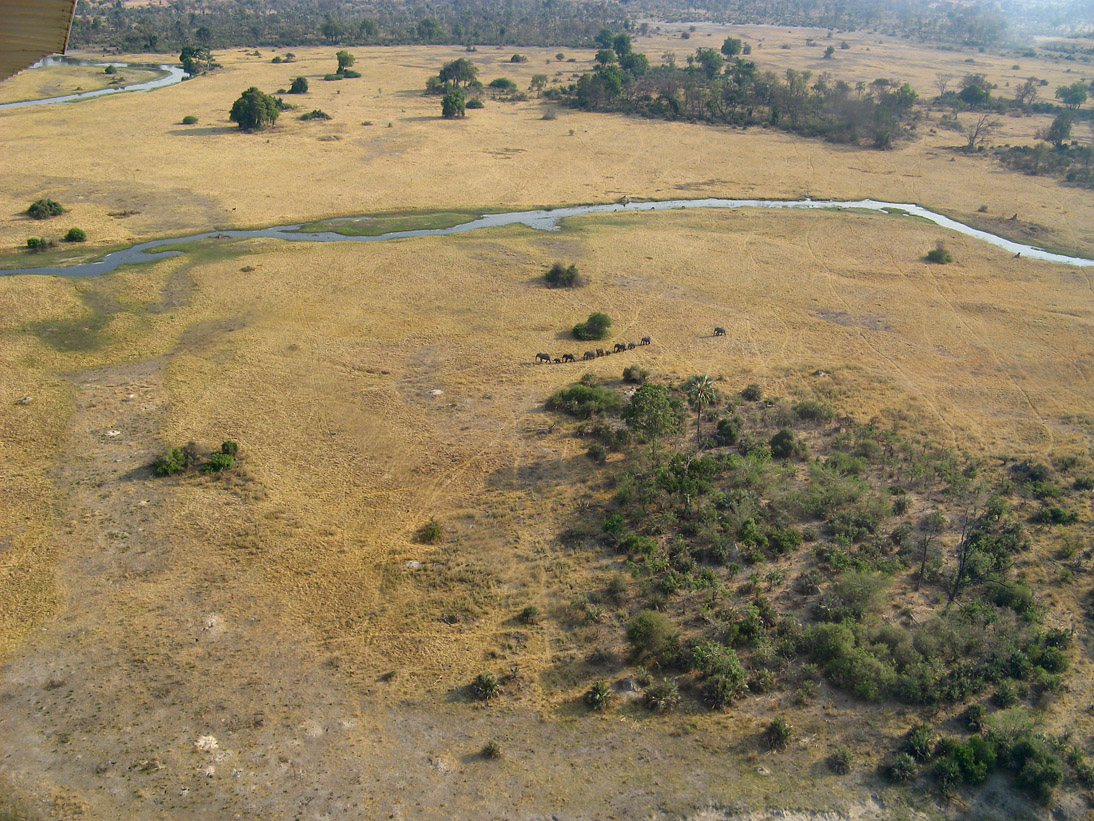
[[621, 44], [654, 412], [595, 327], [453, 105], [732, 47], [196, 60], [345, 60], [539, 82], [45, 208], [605, 57], [650, 634], [430, 29], [1060, 131], [461, 71], [1073, 95], [299, 86], [709, 61], [254, 110], [701, 394], [332, 29]]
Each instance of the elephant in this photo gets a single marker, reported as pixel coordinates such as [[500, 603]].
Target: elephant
[[619, 346], [589, 355], [644, 341], [719, 331], [567, 357], [543, 357]]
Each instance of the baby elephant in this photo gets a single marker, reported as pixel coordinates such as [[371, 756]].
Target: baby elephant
[[719, 331]]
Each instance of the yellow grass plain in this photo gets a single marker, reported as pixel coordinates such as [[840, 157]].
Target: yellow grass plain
[[277, 610]]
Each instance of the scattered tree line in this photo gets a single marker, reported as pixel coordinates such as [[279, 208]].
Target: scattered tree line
[[230, 23], [710, 89]]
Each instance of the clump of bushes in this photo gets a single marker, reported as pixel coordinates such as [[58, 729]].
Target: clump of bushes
[[662, 696], [595, 327], [598, 696], [634, 375], [583, 401], [564, 276], [485, 686], [315, 114], [431, 532], [839, 761], [939, 254], [778, 733], [174, 461], [76, 235], [475, 102], [189, 119], [39, 244], [299, 86], [752, 393], [45, 208]]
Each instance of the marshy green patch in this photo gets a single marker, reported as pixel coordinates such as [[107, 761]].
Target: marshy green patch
[[393, 221]]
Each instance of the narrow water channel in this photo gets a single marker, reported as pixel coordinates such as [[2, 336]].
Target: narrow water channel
[[174, 75], [544, 220]]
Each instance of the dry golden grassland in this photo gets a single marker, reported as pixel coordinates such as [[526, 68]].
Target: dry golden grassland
[[275, 609]]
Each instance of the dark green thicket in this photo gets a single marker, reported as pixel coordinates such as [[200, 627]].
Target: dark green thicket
[[772, 554]]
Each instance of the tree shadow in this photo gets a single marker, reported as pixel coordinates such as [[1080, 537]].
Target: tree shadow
[[207, 131]]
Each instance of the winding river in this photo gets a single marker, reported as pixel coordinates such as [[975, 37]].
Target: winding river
[[544, 220], [174, 75]]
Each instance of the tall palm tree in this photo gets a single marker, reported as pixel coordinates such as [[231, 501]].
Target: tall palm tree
[[701, 394]]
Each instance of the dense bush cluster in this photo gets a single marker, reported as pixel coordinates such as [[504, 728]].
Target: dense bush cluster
[[175, 460], [45, 208], [773, 555]]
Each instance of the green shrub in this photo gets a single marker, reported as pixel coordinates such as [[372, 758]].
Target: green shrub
[[662, 696], [503, 84], [595, 327], [172, 461], [218, 462], [529, 615], [1038, 769], [839, 761], [598, 453], [76, 235], [39, 244], [431, 532], [350, 74], [634, 375], [753, 393], [901, 767], [110, 70], [920, 742], [598, 696], [45, 208], [784, 444], [1053, 515], [485, 686], [189, 119], [229, 447], [584, 401], [333, 77], [315, 114], [492, 750], [299, 86], [812, 410], [563, 276], [975, 720], [650, 634], [939, 255], [778, 733], [475, 103]]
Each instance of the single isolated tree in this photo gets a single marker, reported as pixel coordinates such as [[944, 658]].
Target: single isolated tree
[[701, 394], [1073, 95], [254, 110], [299, 86], [731, 47], [1060, 131], [453, 105], [345, 60], [462, 72], [978, 130]]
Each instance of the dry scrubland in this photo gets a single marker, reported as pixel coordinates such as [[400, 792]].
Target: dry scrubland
[[274, 611]]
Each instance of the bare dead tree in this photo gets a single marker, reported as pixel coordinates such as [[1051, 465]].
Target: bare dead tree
[[1026, 93], [942, 82], [977, 131]]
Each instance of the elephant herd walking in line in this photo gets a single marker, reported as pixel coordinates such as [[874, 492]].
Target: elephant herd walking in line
[[618, 347]]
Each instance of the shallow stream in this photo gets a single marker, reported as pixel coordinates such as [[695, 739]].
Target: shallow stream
[[544, 220]]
